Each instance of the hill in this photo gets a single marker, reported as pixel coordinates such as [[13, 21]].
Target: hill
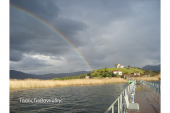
[[21, 75], [61, 75], [107, 72], [124, 70], [153, 68]]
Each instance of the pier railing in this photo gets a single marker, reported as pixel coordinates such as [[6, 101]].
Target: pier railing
[[154, 88], [120, 100]]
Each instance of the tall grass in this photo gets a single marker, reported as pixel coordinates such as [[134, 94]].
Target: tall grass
[[36, 83], [154, 78]]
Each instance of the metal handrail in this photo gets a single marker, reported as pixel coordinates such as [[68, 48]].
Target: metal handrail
[[155, 89], [154, 86], [120, 99]]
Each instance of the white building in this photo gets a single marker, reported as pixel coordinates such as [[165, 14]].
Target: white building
[[120, 66], [86, 77], [136, 73], [118, 72]]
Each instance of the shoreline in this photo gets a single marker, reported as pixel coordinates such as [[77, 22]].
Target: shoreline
[[37, 83]]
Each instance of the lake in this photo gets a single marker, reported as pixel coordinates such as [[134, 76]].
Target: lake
[[76, 99]]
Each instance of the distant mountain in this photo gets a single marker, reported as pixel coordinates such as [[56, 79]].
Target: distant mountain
[[153, 68], [20, 75], [61, 75]]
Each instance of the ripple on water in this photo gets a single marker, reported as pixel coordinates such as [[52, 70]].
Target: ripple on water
[[88, 99]]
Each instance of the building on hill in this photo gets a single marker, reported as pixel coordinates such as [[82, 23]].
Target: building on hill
[[86, 77], [136, 73], [157, 73], [117, 72], [120, 66], [144, 75], [127, 75]]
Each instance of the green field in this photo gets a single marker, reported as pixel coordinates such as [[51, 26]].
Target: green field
[[124, 70]]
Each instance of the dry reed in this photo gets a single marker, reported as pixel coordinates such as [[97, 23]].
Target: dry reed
[[36, 83], [154, 78]]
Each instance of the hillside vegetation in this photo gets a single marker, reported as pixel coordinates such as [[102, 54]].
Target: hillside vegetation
[[124, 70], [104, 72]]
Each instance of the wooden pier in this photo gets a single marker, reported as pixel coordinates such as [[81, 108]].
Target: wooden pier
[[149, 102], [147, 95]]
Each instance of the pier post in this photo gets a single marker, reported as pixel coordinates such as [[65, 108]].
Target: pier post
[[113, 109], [118, 106], [132, 96]]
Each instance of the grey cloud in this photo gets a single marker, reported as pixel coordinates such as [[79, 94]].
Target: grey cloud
[[43, 9], [101, 13], [104, 32], [68, 26], [15, 55], [28, 35], [55, 58], [69, 29], [30, 63]]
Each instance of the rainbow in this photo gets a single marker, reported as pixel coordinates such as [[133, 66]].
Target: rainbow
[[54, 30]]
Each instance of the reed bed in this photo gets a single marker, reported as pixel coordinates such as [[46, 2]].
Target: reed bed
[[154, 78], [36, 83]]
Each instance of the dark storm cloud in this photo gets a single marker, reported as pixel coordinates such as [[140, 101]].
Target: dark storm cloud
[[28, 35], [30, 63], [100, 11], [68, 26], [43, 9], [15, 55], [104, 33]]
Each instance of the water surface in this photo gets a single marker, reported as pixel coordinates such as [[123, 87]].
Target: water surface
[[76, 99]]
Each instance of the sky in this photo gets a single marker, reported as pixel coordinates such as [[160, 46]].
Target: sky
[[61, 36]]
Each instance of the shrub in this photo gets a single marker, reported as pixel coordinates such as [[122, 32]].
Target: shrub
[[101, 77], [115, 75], [56, 79], [125, 73], [108, 75], [91, 76], [82, 76]]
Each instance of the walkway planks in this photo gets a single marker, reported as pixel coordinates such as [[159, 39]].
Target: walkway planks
[[147, 104]]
